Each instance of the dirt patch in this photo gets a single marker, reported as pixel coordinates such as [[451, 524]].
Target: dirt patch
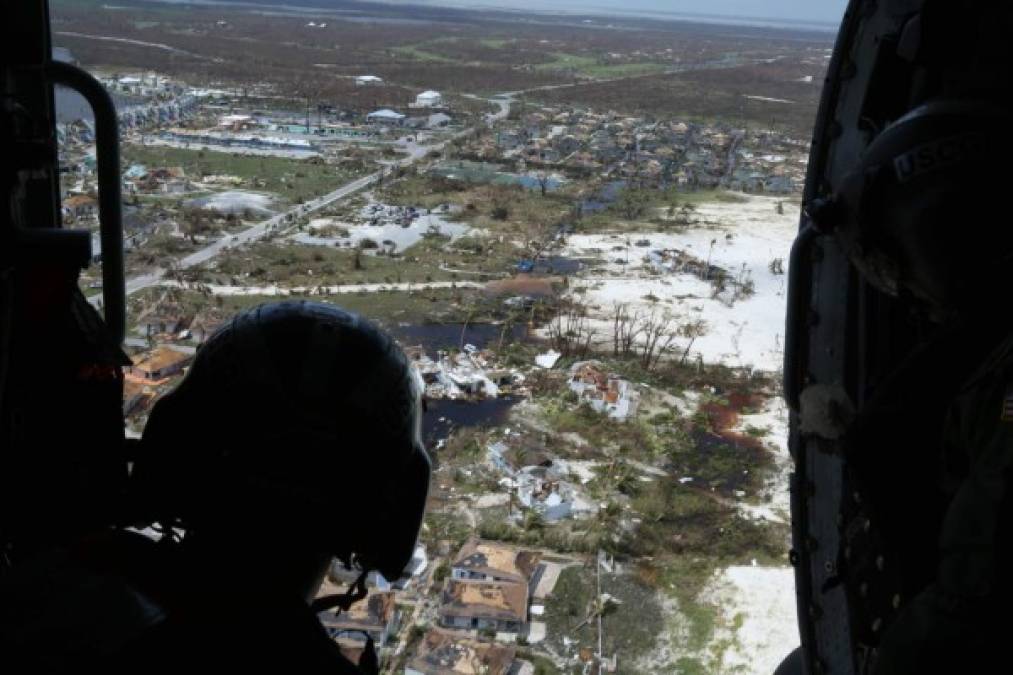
[[524, 284], [724, 415]]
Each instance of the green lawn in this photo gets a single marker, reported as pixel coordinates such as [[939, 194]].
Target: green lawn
[[305, 265], [388, 308], [591, 66], [629, 629], [291, 179], [494, 43], [414, 53]]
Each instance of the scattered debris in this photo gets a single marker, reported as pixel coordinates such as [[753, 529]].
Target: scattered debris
[[548, 359]]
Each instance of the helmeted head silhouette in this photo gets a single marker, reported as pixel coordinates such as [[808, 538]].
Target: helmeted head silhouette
[[919, 215], [299, 423]]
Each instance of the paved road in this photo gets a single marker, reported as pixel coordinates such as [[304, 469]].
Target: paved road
[[676, 70], [250, 234], [139, 43]]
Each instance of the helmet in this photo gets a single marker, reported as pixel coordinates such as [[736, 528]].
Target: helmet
[[919, 216], [300, 420]]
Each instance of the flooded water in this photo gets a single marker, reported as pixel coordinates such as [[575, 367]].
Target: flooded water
[[556, 265], [234, 201], [529, 182], [437, 336], [401, 236], [71, 106], [603, 197], [442, 417], [486, 172]]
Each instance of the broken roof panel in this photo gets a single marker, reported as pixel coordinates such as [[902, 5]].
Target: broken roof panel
[[443, 654], [501, 601], [160, 358], [497, 559]]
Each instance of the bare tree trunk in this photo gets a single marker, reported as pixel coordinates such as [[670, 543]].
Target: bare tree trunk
[[685, 352], [659, 337], [692, 330], [467, 319]]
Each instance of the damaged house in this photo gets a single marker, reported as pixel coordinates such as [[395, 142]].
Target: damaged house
[[543, 490], [488, 588], [157, 366], [479, 605], [466, 374], [443, 654], [537, 483], [605, 392], [489, 561], [376, 616]]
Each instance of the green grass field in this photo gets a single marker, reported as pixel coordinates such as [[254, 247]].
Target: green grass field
[[590, 66], [415, 53], [293, 180]]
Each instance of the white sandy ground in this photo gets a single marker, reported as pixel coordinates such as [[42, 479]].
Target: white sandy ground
[[757, 625], [758, 620], [287, 153], [749, 333], [772, 504], [403, 237]]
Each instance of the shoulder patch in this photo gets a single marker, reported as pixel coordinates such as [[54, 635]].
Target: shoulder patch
[[1007, 405]]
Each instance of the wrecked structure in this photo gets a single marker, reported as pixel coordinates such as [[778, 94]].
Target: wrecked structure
[[489, 588], [605, 392], [545, 491], [538, 483], [158, 365], [442, 654], [490, 561], [468, 374], [375, 616], [500, 607]]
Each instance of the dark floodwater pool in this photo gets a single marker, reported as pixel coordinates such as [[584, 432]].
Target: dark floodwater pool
[[556, 265], [442, 417]]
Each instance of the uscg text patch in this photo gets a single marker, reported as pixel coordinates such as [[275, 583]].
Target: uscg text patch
[[1007, 405]]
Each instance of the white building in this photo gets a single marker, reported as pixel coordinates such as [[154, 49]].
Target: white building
[[385, 116], [235, 122], [429, 99], [364, 80]]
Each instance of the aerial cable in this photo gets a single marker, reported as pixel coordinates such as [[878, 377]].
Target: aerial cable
[[356, 591]]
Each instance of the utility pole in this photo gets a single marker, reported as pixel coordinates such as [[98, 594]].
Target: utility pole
[[601, 609]]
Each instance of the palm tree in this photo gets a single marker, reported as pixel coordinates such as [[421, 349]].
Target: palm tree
[[601, 606], [534, 521]]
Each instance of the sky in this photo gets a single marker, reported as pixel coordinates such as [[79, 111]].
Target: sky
[[786, 10]]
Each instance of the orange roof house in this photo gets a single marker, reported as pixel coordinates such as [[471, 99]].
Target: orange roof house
[[479, 605], [158, 365]]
